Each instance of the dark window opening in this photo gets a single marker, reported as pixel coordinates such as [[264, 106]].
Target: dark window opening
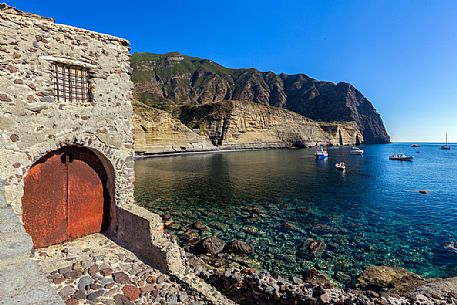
[[71, 83]]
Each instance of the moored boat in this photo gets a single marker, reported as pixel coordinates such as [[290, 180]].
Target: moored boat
[[401, 157], [356, 151], [446, 147], [340, 166], [321, 154]]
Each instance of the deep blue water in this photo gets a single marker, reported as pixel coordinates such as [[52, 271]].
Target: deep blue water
[[372, 214]]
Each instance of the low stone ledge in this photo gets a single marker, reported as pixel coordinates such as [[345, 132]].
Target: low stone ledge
[[140, 231], [21, 280]]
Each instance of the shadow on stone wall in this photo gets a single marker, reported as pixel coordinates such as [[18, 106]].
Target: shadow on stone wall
[[140, 231]]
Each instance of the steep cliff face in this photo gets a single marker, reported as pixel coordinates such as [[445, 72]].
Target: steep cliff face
[[248, 124], [233, 125], [156, 131], [175, 79]]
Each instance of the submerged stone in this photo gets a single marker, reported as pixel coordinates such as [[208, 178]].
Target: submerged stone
[[313, 248], [238, 247], [198, 225], [211, 245]]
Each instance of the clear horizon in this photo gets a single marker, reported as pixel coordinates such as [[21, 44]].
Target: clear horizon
[[400, 55]]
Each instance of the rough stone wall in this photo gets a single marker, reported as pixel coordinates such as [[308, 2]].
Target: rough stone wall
[[33, 123]]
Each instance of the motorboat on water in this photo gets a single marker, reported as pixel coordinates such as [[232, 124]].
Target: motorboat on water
[[356, 151], [340, 166], [401, 157], [321, 154], [446, 147], [415, 145]]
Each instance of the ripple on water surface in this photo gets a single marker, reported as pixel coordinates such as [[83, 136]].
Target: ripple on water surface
[[372, 214]]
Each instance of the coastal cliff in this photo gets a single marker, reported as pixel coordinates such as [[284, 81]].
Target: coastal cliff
[[156, 131], [173, 80], [233, 125]]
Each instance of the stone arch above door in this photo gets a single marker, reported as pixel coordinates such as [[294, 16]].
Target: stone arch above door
[[65, 196]]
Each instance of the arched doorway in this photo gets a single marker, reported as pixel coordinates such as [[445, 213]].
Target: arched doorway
[[65, 196]]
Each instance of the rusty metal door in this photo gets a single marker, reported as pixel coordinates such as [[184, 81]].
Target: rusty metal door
[[44, 203], [64, 196], [85, 193]]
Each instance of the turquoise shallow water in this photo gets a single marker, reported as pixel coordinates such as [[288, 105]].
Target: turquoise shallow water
[[370, 215]]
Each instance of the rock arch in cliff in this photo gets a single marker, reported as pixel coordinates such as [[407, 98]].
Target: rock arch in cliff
[[67, 195]]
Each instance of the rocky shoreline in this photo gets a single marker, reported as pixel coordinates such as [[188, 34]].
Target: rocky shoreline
[[248, 287], [377, 285], [212, 259], [94, 270]]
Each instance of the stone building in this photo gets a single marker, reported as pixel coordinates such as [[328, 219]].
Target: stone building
[[66, 137], [65, 125], [67, 158]]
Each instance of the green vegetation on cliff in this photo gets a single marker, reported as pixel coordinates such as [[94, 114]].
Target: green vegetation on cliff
[[165, 80]]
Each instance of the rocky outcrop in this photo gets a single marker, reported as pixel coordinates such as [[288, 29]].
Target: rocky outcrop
[[247, 287], [383, 278], [156, 131], [233, 125], [249, 125], [238, 247], [175, 79]]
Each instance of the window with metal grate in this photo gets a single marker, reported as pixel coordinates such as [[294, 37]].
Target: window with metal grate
[[71, 83]]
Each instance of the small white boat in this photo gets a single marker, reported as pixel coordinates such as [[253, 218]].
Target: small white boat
[[401, 157], [321, 154], [356, 151], [340, 166]]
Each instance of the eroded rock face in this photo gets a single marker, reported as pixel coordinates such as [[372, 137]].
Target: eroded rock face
[[156, 131], [232, 125], [159, 79], [383, 278]]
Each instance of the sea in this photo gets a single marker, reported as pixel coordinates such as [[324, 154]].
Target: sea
[[370, 214]]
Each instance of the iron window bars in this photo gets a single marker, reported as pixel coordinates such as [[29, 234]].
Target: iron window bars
[[71, 83]]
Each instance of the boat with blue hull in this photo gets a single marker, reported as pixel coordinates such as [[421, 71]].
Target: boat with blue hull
[[321, 154]]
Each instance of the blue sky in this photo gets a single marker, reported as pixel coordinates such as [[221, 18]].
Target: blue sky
[[402, 55]]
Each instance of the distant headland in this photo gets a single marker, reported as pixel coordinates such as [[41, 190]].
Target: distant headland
[[244, 107]]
